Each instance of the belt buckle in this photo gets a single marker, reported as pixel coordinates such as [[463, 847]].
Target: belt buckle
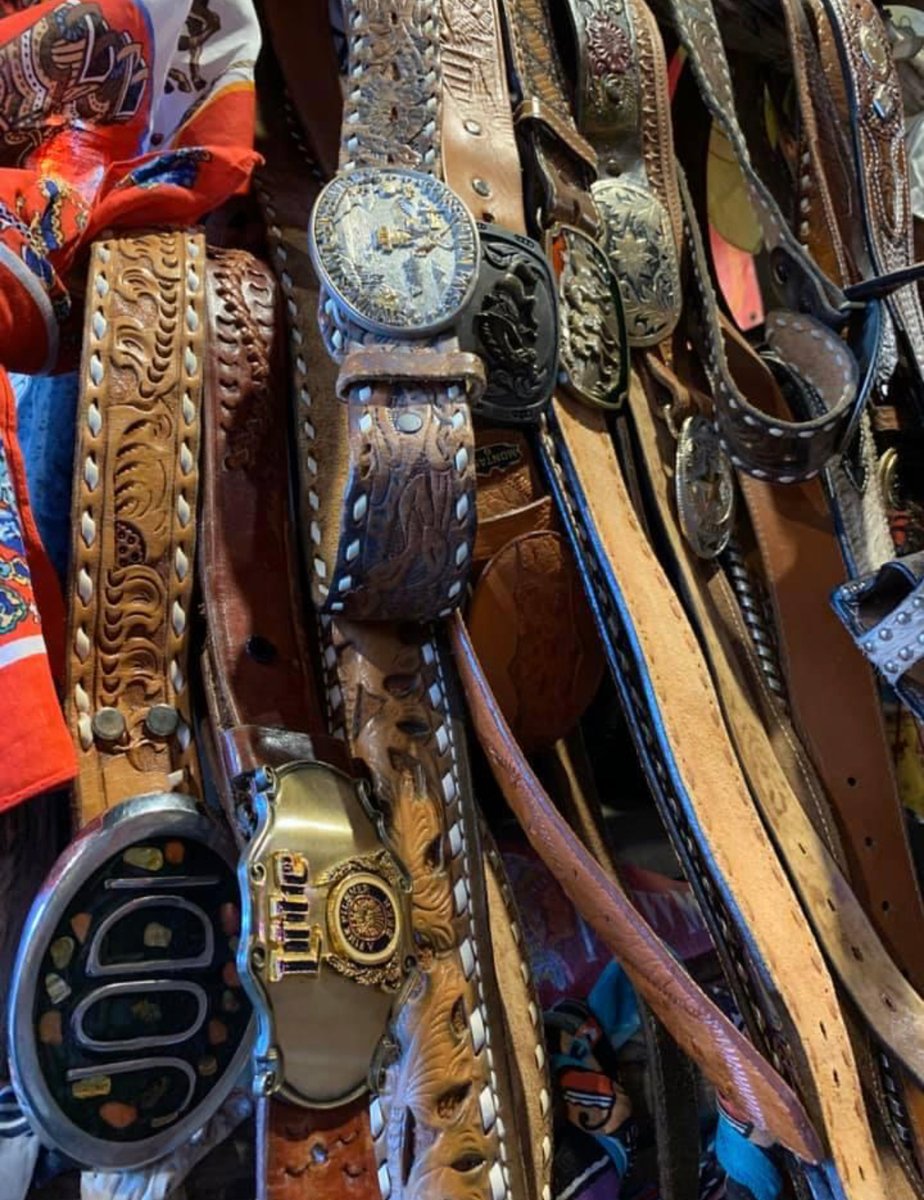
[[400, 257], [326, 947], [128, 1025], [594, 351]]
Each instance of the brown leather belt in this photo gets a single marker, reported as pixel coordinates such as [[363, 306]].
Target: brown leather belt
[[130, 1030], [266, 717], [390, 699]]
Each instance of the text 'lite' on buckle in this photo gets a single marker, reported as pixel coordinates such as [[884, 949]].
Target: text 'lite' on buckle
[[326, 944]]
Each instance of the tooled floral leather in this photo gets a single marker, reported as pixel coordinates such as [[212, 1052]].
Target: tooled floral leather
[[444, 1119], [324, 1155], [136, 480]]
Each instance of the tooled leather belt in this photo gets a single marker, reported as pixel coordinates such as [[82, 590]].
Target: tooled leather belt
[[390, 695], [129, 1026], [325, 925]]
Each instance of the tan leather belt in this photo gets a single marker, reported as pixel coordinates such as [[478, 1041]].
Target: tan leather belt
[[313, 860], [129, 1029]]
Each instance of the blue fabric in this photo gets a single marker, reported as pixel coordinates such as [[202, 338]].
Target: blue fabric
[[46, 414], [745, 1162]]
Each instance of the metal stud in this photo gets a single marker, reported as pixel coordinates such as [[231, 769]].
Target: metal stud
[[891, 667], [885, 635], [108, 725], [473, 127], [482, 188], [162, 721], [904, 654], [903, 618]]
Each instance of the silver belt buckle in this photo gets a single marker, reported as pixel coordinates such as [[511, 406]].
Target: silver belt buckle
[[326, 944], [128, 1023]]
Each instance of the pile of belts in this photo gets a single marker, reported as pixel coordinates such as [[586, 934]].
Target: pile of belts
[[483, 443]]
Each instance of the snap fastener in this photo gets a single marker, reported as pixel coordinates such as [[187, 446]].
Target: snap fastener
[[108, 724]]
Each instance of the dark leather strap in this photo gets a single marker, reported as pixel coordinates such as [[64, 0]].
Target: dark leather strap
[[260, 688], [134, 531], [394, 533]]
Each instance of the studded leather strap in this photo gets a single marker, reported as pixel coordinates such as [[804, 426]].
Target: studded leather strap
[[133, 550]]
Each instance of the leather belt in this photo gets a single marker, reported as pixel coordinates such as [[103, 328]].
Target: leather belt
[[325, 922], [389, 696], [127, 1030], [583, 470]]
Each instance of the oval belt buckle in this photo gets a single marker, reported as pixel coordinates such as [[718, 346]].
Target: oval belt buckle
[[128, 1024], [326, 944]]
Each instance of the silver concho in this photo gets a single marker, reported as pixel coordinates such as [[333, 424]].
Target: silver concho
[[639, 241], [397, 249], [705, 486]]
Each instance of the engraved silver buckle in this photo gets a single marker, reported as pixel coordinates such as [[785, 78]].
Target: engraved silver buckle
[[326, 946], [128, 1026]]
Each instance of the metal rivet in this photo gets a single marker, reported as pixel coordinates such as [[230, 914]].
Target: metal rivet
[[903, 618], [891, 667], [917, 601], [921, 638], [261, 649], [885, 635], [473, 127], [162, 721], [868, 647], [318, 1153], [482, 188], [108, 724], [904, 654]]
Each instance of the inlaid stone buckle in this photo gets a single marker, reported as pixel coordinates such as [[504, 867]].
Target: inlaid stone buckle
[[326, 944], [128, 1023], [400, 257]]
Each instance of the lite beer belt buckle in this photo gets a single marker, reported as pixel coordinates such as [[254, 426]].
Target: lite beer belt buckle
[[326, 948]]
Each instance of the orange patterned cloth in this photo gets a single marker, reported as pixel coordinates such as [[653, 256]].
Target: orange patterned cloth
[[113, 114]]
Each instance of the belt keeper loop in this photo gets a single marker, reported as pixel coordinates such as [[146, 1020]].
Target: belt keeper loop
[[367, 375]]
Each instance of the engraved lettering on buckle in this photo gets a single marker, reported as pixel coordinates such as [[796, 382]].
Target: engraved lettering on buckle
[[326, 943]]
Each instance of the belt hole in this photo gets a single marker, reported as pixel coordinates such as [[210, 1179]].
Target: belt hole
[[886, 906], [869, 842], [851, 781]]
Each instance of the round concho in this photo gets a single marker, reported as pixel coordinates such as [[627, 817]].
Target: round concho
[[396, 248], [128, 1023], [705, 486], [363, 919]]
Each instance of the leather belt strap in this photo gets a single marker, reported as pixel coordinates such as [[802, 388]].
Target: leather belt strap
[[389, 694], [712, 795], [393, 533], [133, 550], [263, 704]]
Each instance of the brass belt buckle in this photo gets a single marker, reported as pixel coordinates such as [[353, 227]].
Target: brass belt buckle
[[594, 351], [326, 943], [128, 1024]]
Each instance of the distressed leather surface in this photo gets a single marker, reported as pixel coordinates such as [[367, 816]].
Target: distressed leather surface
[[135, 494]]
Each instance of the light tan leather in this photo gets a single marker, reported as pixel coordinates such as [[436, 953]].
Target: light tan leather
[[725, 1056], [729, 826], [857, 956], [134, 514], [454, 1081]]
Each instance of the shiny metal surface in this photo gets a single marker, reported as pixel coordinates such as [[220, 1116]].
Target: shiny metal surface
[[326, 943], [64, 1082], [397, 249]]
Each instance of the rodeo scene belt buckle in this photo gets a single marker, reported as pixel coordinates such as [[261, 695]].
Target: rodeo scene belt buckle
[[401, 258]]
